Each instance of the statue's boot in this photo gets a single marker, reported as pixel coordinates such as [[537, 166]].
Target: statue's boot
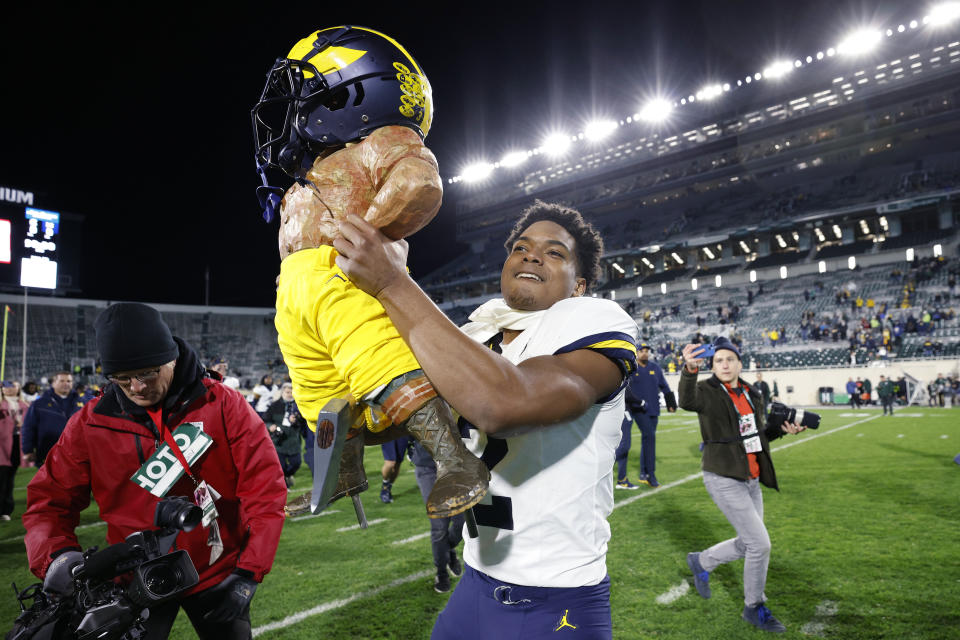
[[462, 478]]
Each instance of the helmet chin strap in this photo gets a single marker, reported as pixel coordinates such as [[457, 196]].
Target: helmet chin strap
[[268, 195]]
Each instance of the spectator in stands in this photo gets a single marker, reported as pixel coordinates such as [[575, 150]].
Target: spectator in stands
[[12, 411], [265, 394], [736, 460], [445, 533], [852, 393], [885, 393], [285, 426], [47, 417], [158, 386], [30, 392], [221, 365]]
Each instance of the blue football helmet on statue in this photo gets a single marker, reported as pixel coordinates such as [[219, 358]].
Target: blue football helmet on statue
[[335, 86]]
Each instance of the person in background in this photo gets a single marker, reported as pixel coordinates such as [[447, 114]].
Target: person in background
[[47, 417], [885, 392], [736, 460], [264, 395], [393, 453], [85, 392], [852, 393], [12, 410], [158, 390], [763, 389], [30, 392], [643, 407], [284, 427], [445, 533], [221, 365]]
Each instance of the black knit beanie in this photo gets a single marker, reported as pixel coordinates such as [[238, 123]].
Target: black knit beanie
[[133, 336]]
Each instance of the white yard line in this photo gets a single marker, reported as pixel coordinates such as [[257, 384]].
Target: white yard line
[[311, 515], [674, 593], [419, 536], [821, 618], [357, 526]]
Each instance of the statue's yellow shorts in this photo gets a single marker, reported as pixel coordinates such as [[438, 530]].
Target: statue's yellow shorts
[[335, 339]]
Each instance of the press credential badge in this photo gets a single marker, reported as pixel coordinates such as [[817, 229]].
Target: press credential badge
[[162, 470], [749, 434]]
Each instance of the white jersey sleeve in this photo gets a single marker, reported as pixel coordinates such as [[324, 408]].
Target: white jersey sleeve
[[543, 522]]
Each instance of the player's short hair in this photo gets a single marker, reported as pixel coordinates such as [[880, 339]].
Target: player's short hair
[[60, 373], [589, 243]]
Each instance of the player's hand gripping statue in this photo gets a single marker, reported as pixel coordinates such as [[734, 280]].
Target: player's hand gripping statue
[[345, 114]]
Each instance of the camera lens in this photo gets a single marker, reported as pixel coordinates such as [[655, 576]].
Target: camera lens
[[161, 580]]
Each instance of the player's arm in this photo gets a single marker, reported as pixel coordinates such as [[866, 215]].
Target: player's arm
[[486, 388]]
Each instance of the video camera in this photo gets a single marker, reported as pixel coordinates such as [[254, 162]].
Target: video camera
[[104, 609], [780, 413]]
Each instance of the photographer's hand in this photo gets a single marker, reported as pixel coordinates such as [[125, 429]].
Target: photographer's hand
[[235, 593], [792, 427], [693, 362], [59, 578]]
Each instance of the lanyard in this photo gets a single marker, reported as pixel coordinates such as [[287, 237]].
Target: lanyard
[[157, 417]]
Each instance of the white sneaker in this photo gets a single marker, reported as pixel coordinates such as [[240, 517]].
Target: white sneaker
[[5, 518]]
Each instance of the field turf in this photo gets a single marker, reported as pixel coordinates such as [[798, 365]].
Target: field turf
[[864, 535]]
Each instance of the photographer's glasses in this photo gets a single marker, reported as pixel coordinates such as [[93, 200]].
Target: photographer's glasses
[[143, 378]]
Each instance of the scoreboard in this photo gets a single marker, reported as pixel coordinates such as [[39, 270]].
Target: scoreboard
[[31, 254]]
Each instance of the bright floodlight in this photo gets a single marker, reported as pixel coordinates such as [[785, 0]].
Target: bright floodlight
[[556, 144], [718, 281], [514, 158], [710, 92], [859, 42], [639, 291], [663, 287], [937, 250], [477, 172], [599, 129], [945, 13], [656, 110], [778, 69], [852, 262], [783, 273], [693, 283], [822, 266]]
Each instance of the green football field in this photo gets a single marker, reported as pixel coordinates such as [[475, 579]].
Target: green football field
[[865, 534]]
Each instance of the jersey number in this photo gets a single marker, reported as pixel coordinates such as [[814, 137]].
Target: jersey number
[[500, 513]]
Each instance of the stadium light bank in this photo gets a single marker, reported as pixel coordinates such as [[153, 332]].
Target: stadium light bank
[[658, 110]]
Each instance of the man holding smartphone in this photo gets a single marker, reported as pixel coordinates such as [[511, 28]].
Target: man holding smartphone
[[736, 460]]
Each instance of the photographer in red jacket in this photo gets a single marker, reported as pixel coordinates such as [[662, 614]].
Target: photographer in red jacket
[[158, 389]]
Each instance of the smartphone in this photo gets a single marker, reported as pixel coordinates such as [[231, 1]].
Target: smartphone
[[706, 351]]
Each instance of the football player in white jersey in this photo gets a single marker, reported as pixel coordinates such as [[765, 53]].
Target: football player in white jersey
[[540, 374]]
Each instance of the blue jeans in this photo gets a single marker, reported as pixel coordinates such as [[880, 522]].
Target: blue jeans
[[484, 608], [742, 503], [445, 533]]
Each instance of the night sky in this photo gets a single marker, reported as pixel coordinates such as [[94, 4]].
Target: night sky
[[140, 121]]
